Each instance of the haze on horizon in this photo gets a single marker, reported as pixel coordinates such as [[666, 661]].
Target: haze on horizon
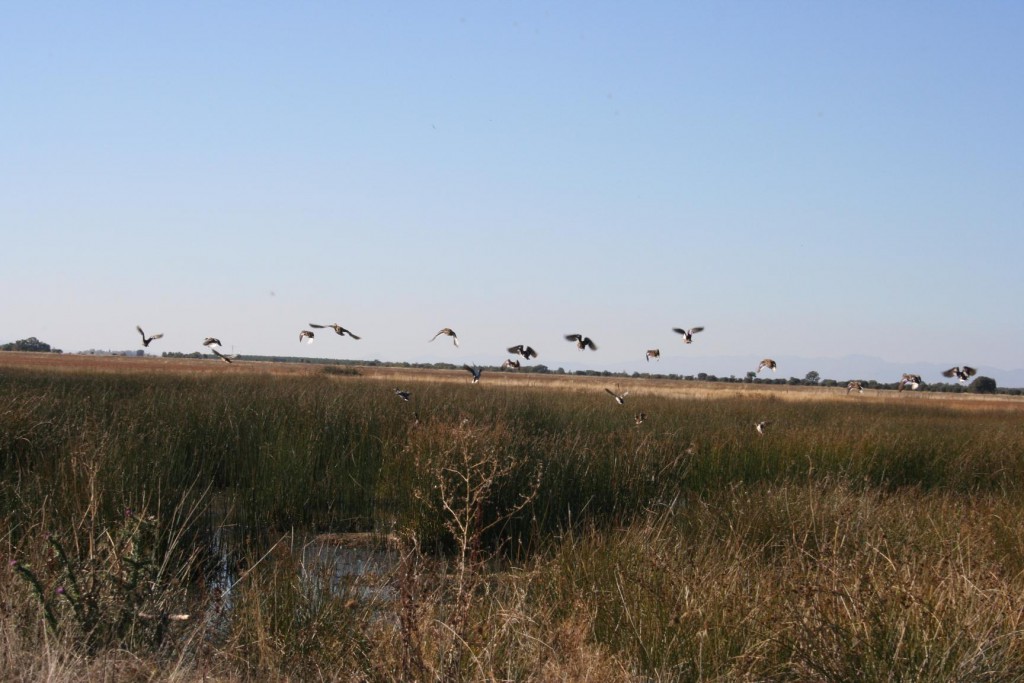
[[813, 180]]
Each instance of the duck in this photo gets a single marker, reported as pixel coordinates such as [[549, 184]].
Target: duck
[[619, 398], [223, 356], [961, 373], [909, 379], [639, 418], [473, 370], [212, 341], [854, 385], [762, 426], [510, 364], [402, 394], [653, 353], [688, 334], [449, 332], [146, 340], [581, 341], [306, 334], [767, 363], [337, 328], [526, 352]]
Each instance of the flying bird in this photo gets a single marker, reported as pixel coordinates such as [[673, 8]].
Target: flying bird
[[473, 370], [688, 334], [526, 352], [854, 385], [510, 363], [653, 353], [223, 356], [306, 334], [762, 426], [639, 418], [581, 341], [961, 373], [404, 395], [145, 339], [337, 328], [619, 398], [448, 331], [910, 380], [767, 363], [212, 341]]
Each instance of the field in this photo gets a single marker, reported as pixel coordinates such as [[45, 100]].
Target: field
[[173, 519]]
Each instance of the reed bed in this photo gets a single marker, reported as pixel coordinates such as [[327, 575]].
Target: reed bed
[[158, 522]]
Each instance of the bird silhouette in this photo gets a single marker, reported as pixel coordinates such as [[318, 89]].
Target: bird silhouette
[[447, 331], [688, 334], [475, 371], [762, 426], [581, 341], [854, 385], [223, 356], [337, 328], [911, 380], [526, 352], [404, 395], [639, 418], [619, 398], [961, 373], [145, 339], [212, 341], [510, 364], [306, 334], [653, 353], [767, 363]]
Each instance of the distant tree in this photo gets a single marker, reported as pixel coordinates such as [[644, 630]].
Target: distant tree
[[702, 376], [983, 385], [751, 376], [30, 344], [812, 377]]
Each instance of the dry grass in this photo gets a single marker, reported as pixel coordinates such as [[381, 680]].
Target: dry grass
[[539, 533]]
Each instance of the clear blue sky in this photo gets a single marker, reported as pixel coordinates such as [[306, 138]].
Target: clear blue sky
[[807, 178]]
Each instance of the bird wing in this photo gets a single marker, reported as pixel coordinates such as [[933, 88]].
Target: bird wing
[[319, 327], [695, 330], [967, 369], [589, 342], [139, 328], [350, 334], [574, 337], [679, 330], [610, 392], [157, 336], [950, 372]]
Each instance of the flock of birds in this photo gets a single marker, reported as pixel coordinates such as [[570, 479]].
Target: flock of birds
[[583, 342]]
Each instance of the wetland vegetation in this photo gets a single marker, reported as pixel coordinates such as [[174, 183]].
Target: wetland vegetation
[[183, 519]]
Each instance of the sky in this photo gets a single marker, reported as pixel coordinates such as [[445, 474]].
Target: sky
[[801, 178]]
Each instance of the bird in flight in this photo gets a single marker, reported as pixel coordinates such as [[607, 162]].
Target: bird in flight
[[404, 395], [306, 334], [145, 339], [223, 356], [688, 334], [854, 385], [910, 380], [211, 342], [581, 341], [767, 363], [473, 370], [447, 331], [639, 418], [526, 352], [762, 426], [653, 353], [510, 363], [619, 398], [961, 373], [337, 328]]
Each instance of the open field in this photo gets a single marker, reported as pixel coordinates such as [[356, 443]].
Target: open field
[[314, 526]]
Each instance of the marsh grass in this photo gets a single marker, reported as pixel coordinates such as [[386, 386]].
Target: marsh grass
[[544, 534]]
